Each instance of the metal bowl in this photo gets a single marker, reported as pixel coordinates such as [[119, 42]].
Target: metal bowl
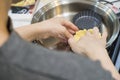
[[69, 8]]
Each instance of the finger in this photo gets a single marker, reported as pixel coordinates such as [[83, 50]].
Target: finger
[[69, 24], [104, 34], [96, 32], [71, 41], [68, 34], [88, 33], [61, 37], [71, 31]]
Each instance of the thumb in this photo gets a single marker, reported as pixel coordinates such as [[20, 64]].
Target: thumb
[[71, 41], [73, 44]]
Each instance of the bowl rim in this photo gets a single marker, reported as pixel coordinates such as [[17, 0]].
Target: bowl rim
[[94, 3]]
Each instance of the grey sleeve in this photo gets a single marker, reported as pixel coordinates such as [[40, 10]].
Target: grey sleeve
[[24, 61]]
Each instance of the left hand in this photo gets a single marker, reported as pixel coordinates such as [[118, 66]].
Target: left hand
[[56, 27]]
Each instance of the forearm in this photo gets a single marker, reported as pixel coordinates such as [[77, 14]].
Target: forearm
[[107, 63], [26, 32], [31, 32]]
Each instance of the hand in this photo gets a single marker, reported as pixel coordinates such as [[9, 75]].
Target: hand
[[54, 27], [90, 44], [57, 27], [94, 47]]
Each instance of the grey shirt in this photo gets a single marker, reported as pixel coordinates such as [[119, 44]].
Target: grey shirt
[[21, 60]]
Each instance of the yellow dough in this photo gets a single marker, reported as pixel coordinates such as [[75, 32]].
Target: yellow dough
[[79, 34], [82, 33]]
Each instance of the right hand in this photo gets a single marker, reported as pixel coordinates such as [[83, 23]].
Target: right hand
[[94, 47], [90, 44]]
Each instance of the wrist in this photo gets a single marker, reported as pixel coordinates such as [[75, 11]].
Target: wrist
[[41, 31], [97, 54], [26, 32]]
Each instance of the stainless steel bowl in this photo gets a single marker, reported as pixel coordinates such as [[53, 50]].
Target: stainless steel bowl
[[69, 8]]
